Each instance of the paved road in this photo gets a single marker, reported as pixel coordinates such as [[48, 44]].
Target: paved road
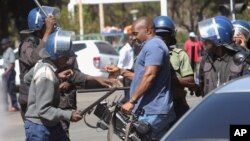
[[13, 125]]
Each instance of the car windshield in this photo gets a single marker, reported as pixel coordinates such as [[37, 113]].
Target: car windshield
[[105, 48], [212, 118]]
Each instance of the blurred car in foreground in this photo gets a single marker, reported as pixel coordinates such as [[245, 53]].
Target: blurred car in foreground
[[94, 55], [16, 68], [210, 120]]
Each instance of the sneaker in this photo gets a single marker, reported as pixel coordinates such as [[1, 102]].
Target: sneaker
[[13, 109]]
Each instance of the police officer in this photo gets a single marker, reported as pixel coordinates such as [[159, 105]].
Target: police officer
[[39, 30], [43, 115], [183, 75], [217, 66], [241, 33], [29, 56]]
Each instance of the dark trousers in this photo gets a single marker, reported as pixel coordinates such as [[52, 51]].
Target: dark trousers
[[23, 102], [126, 83], [180, 107], [23, 97], [10, 83], [65, 126], [38, 132]]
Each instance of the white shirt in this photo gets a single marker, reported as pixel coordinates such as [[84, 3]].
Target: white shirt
[[126, 57]]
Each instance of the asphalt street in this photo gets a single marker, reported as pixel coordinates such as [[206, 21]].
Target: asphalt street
[[11, 125]]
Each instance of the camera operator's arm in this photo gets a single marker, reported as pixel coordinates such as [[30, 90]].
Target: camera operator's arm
[[127, 74], [115, 71], [146, 82]]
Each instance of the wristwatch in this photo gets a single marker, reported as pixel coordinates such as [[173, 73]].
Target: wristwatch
[[132, 101]]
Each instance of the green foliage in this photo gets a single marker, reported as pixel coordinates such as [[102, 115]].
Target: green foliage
[[115, 15], [181, 38], [185, 13]]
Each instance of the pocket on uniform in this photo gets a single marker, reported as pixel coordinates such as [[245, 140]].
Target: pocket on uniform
[[236, 69], [207, 67]]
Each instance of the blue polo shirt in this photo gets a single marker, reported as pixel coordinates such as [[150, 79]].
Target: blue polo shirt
[[158, 99]]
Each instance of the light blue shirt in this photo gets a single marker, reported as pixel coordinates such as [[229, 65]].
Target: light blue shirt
[[8, 57], [157, 99]]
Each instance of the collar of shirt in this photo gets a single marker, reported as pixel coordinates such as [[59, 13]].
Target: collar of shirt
[[223, 58], [143, 43], [51, 64]]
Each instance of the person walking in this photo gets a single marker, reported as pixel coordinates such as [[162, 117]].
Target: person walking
[[9, 74]]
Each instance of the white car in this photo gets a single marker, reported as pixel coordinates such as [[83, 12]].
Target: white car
[[16, 67], [94, 55]]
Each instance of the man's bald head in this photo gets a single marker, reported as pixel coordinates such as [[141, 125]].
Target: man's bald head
[[142, 30], [144, 22]]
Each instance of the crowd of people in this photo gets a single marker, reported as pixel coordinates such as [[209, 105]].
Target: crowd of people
[[156, 69]]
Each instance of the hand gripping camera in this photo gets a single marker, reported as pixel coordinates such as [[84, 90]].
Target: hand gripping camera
[[126, 127]]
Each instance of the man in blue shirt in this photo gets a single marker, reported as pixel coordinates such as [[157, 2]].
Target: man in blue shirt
[[150, 95]]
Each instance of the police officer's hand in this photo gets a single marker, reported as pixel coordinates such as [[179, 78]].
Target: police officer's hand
[[66, 74], [64, 86], [75, 116], [196, 90], [50, 21], [113, 71], [127, 108], [105, 82]]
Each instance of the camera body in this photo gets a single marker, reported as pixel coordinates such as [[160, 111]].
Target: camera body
[[123, 125]]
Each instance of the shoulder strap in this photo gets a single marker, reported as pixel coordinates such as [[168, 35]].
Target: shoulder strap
[[177, 50]]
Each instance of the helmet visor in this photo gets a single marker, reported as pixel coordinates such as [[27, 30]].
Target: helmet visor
[[51, 11], [208, 29], [240, 29]]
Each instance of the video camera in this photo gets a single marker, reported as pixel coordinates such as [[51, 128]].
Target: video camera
[[126, 127]]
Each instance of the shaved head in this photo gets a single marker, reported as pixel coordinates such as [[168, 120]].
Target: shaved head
[[144, 22], [142, 30]]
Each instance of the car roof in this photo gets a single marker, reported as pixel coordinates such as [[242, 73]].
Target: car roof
[[237, 85], [88, 41]]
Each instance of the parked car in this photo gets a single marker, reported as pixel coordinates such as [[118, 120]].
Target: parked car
[[210, 120], [16, 67], [94, 55]]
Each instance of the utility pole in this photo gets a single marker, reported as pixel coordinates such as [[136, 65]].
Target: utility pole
[[232, 8], [81, 19], [101, 17], [164, 5]]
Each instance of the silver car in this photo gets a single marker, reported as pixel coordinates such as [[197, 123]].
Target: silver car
[[94, 55]]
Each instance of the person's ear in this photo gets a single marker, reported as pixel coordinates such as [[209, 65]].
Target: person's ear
[[149, 31]]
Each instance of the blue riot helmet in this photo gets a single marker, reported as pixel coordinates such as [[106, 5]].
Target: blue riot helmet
[[36, 18], [59, 44], [223, 18], [216, 30], [164, 24], [241, 26]]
